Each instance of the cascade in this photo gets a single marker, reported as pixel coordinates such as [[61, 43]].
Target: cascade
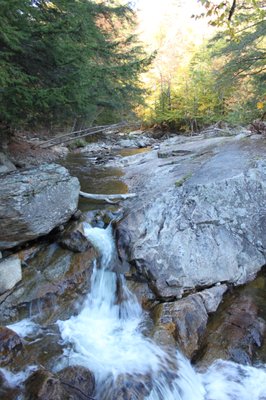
[[107, 337]]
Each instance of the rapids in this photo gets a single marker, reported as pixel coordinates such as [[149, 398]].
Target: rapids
[[107, 337]]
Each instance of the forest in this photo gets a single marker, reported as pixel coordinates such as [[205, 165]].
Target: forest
[[76, 63]]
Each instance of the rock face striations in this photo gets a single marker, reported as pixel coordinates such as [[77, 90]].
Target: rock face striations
[[34, 201], [200, 217]]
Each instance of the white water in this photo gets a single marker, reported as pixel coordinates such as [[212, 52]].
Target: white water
[[25, 327], [16, 380], [106, 337]]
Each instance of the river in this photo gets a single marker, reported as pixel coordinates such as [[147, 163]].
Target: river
[[108, 332]]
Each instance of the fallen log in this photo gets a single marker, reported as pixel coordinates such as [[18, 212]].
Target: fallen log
[[107, 198]]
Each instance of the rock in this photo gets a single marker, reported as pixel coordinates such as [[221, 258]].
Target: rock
[[10, 345], [127, 387], [72, 383], [78, 382], [35, 201], [233, 335], [10, 273], [74, 240], [62, 276], [173, 153], [43, 385], [258, 126], [143, 293], [126, 143], [186, 320], [206, 230], [212, 297], [5, 164], [77, 215]]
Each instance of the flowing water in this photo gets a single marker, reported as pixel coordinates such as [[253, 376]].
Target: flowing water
[[108, 334], [94, 178], [107, 337]]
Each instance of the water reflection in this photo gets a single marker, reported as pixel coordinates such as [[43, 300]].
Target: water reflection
[[94, 178]]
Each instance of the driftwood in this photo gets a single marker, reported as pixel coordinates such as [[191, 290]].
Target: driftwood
[[107, 198]]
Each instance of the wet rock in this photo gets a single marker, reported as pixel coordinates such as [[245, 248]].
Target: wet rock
[[234, 334], [207, 230], [143, 293], [43, 385], [10, 345], [78, 382], [184, 321], [61, 275], [74, 240], [35, 201], [10, 273], [127, 387], [72, 383]]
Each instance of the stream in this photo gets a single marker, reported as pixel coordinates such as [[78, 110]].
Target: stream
[[108, 334]]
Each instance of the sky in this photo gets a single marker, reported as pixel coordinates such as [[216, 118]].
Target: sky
[[173, 15]]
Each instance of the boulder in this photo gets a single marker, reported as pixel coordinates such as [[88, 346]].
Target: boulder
[[72, 383], [62, 276], [78, 382], [10, 345], [10, 273], [235, 334], [35, 201], [199, 219], [43, 385], [184, 321], [74, 239]]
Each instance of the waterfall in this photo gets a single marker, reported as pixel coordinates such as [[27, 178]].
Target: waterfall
[[106, 337]]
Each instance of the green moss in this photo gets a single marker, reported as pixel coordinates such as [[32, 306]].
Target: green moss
[[181, 181]]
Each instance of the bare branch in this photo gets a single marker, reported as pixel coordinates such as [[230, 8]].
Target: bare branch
[[232, 10]]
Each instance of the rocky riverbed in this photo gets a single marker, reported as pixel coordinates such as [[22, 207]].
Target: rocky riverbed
[[195, 230]]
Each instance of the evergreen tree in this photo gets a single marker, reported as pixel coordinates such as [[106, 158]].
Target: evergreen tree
[[66, 60]]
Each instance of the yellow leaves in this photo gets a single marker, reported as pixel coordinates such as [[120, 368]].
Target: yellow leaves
[[260, 105]]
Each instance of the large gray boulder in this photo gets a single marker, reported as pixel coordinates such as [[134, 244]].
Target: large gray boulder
[[200, 217], [35, 201]]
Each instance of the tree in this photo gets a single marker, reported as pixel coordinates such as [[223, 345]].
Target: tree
[[66, 60], [244, 50], [230, 14]]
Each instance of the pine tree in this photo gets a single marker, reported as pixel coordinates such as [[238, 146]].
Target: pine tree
[[66, 60]]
